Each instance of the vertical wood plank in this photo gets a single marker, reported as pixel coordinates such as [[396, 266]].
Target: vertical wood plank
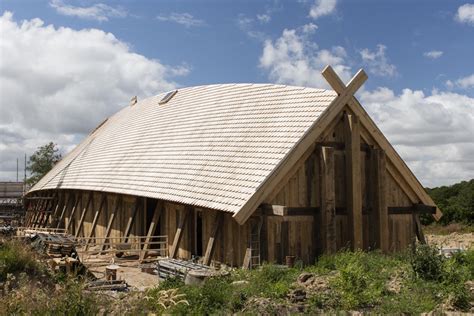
[[210, 244], [111, 221], [131, 219], [68, 201], [83, 214], [179, 233], [353, 181], [96, 217], [328, 200], [70, 219], [151, 230], [379, 211]]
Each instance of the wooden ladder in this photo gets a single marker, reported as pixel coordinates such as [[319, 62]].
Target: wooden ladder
[[255, 259]]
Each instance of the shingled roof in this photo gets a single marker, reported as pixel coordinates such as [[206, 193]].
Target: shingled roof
[[209, 146]]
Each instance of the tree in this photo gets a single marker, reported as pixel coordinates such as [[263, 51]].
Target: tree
[[42, 161]]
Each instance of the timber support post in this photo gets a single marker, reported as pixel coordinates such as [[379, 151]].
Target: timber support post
[[378, 218], [211, 243], [151, 230], [328, 200], [353, 179], [179, 233], [84, 211], [96, 218]]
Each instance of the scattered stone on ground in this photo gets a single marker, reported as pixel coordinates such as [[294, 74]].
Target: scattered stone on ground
[[453, 240]]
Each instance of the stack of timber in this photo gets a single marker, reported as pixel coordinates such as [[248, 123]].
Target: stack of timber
[[168, 268], [55, 245]]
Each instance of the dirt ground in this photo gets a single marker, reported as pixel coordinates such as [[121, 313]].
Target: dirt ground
[[129, 270], [452, 240]]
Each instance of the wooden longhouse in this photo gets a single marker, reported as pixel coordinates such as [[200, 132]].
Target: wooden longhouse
[[238, 174]]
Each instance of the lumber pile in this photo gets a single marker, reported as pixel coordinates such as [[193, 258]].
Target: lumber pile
[[168, 268], [54, 245], [107, 285]]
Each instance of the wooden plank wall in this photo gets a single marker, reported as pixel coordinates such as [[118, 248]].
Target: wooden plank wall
[[302, 191]]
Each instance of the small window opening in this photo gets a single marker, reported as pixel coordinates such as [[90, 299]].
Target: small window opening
[[168, 96]]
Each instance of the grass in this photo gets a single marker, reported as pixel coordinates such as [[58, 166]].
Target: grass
[[409, 283]]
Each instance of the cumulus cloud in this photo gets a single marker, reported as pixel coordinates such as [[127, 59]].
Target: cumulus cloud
[[99, 12], [56, 84], [184, 19], [465, 14], [463, 83], [294, 59], [377, 62], [433, 133], [434, 54], [322, 7]]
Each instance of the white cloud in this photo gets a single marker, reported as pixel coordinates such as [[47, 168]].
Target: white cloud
[[100, 11], [309, 28], [185, 19], [432, 133], [463, 83], [293, 59], [434, 54], [377, 62], [263, 18], [56, 84], [322, 7], [466, 14]]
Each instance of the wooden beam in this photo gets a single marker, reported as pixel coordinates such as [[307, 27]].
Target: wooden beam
[[328, 199], [281, 210], [378, 219], [118, 201], [83, 214], [353, 179], [416, 208], [68, 201], [210, 244], [179, 233], [73, 211], [324, 120], [247, 258], [131, 219], [96, 218], [418, 229], [151, 230]]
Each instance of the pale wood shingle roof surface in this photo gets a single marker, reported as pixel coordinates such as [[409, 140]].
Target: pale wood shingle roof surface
[[209, 146]]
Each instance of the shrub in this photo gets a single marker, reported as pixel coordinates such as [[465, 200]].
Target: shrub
[[361, 279], [427, 263]]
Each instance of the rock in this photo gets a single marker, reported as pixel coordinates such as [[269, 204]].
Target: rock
[[297, 295], [303, 277]]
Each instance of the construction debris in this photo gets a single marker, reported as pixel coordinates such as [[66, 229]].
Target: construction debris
[[107, 285]]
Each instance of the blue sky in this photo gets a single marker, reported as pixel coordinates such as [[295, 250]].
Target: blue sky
[[89, 58]]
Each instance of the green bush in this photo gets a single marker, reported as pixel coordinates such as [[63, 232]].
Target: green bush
[[362, 278], [427, 263]]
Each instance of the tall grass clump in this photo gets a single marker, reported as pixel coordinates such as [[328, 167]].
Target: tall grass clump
[[16, 257]]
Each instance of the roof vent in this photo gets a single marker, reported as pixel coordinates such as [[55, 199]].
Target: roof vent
[[133, 101], [168, 96]]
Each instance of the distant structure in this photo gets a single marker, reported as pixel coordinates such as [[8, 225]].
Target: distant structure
[[239, 174], [11, 201]]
